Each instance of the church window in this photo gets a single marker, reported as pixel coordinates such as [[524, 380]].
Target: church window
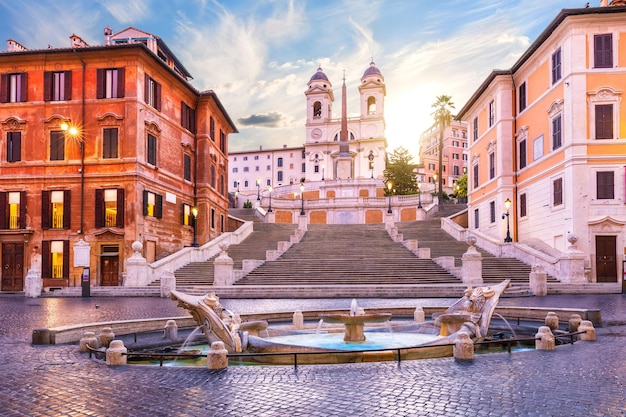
[[371, 105], [317, 109]]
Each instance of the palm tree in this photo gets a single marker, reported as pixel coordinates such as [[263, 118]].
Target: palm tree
[[443, 117]]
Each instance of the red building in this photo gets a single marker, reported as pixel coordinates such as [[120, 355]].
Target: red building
[[102, 146]]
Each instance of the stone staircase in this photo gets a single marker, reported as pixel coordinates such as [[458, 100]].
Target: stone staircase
[[348, 255]]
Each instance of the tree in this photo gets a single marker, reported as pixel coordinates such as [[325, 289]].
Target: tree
[[399, 171], [443, 117], [461, 190]]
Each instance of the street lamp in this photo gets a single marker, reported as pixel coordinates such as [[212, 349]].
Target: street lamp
[[194, 213], [389, 185], [419, 194], [371, 159], [258, 189], [435, 177], [75, 133], [507, 205], [302, 199], [269, 210]]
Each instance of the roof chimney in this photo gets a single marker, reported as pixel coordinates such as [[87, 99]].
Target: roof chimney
[[77, 42], [108, 33], [14, 46]]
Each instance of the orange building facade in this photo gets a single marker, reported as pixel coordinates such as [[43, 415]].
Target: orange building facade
[[102, 146], [549, 136], [454, 156]]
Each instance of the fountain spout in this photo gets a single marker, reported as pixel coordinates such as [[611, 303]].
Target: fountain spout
[[354, 307]]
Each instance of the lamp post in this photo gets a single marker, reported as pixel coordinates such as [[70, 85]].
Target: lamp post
[[389, 185], [322, 173], [237, 195], [302, 199], [269, 210], [371, 159], [507, 205], [435, 177], [76, 134], [258, 189], [194, 213], [419, 194]]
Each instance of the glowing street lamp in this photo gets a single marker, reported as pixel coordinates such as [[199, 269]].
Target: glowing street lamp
[[419, 194], [194, 213], [302, 199], [258, 189], [269, 210], [389, 185], [507, 205]]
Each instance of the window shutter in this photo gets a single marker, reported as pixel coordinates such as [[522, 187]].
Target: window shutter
[[46, 265], [100, 83], [24, 89], [22, 209], [605, 186], [47, 86], [4, 219], [67, 212], [119, 222], [4, 88], [182, 214], [145, 202], [99, 205], [14, 146], [193, 121], [45, 209], [66, 259], [159, 206], [183, 115], [68, 85], [120, 83], [604, 121], [157, 96], [146, 88]]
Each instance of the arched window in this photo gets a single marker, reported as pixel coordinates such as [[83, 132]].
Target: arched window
[[317, 109], [371, 105]]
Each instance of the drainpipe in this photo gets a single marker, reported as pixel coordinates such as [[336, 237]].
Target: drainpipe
[[82, 146], [515, 164]]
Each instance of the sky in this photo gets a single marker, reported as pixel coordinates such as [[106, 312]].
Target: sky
[[258, 55]]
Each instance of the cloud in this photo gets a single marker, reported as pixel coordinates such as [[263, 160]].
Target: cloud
[[128, 12], [266, 120]]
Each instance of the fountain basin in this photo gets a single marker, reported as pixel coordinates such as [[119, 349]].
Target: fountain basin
[[354, 325]]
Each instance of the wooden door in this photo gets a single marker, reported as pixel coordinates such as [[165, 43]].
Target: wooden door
[[606, 259], [12, 267], [109, 266]]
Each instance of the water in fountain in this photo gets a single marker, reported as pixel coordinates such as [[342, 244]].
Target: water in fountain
[[189, 339], [354, 307], [508, 325], [319, 326]]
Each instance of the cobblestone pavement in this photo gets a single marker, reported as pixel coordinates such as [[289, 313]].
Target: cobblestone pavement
[[584, 379]]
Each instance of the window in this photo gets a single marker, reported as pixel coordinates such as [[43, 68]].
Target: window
[[256, 168], [522, 97], [605, 185], [604, 121], [13, 88], [246, 169], [55, 259], [14, 146], [556, 66], [187, 217], [492, 113], [279, 176], [456, 170], [317, 109], [222, 141], [152, 93], [187, 117], [268, 182], [187, 167], [492, 165], [235, 170], [57, 145], [557, 136], [212, 176], [280, 162], [431, 167], [522, 154], [109, 143], [316, 168], [55, 209], [109, 206], [455, 156], [303, 154], [245, 158], [152, 149], [110, 83], [537, 147], [303, 167], [212, 128], [268, 168], [13, 210], [222, 184], [475, 129], [152, 204], [522, 205], [245, 184], [557, 192], [603, 51], [57, 85], [290, 166], [475, 176], [256, 157], [492, 211], [476, 219], [212, 218]]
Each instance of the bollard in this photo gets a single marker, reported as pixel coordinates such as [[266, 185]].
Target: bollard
[[298, 320], [590, 331], [106, 336], [217, 357], [89, 338], [546, 341], [115, 354], [418, 315], [171, 330], [463, 347], [574, 322], [552, 320]]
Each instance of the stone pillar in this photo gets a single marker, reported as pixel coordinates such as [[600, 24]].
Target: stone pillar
[[298, 320], [223, 268], [472, 263], [136, 268], [171, 330], [168, 283], [538, 281], [418, 315], [302, 222], [270, 217], [545, 339], [572, 263], [116, 353], [587, 327], [88, 339], [463, 347], [552, 320], [33, 284], [389, 222], [574, 322], [106, 336], [217, 357]]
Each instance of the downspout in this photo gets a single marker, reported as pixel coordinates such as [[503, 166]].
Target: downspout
[[82, 146], [195, 160], [515, 162]]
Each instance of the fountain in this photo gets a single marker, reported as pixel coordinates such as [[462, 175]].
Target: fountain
[[470, 315]]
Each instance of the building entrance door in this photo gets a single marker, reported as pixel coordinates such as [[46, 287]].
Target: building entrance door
[[606, 259], [12, 267], [109, 266]]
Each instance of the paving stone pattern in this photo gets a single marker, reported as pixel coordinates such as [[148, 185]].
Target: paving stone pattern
[[584, 379]]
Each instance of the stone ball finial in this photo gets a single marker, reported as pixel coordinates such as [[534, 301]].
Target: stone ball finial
[[224, 246], [137, 246], [572, 238], [471, 240]]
